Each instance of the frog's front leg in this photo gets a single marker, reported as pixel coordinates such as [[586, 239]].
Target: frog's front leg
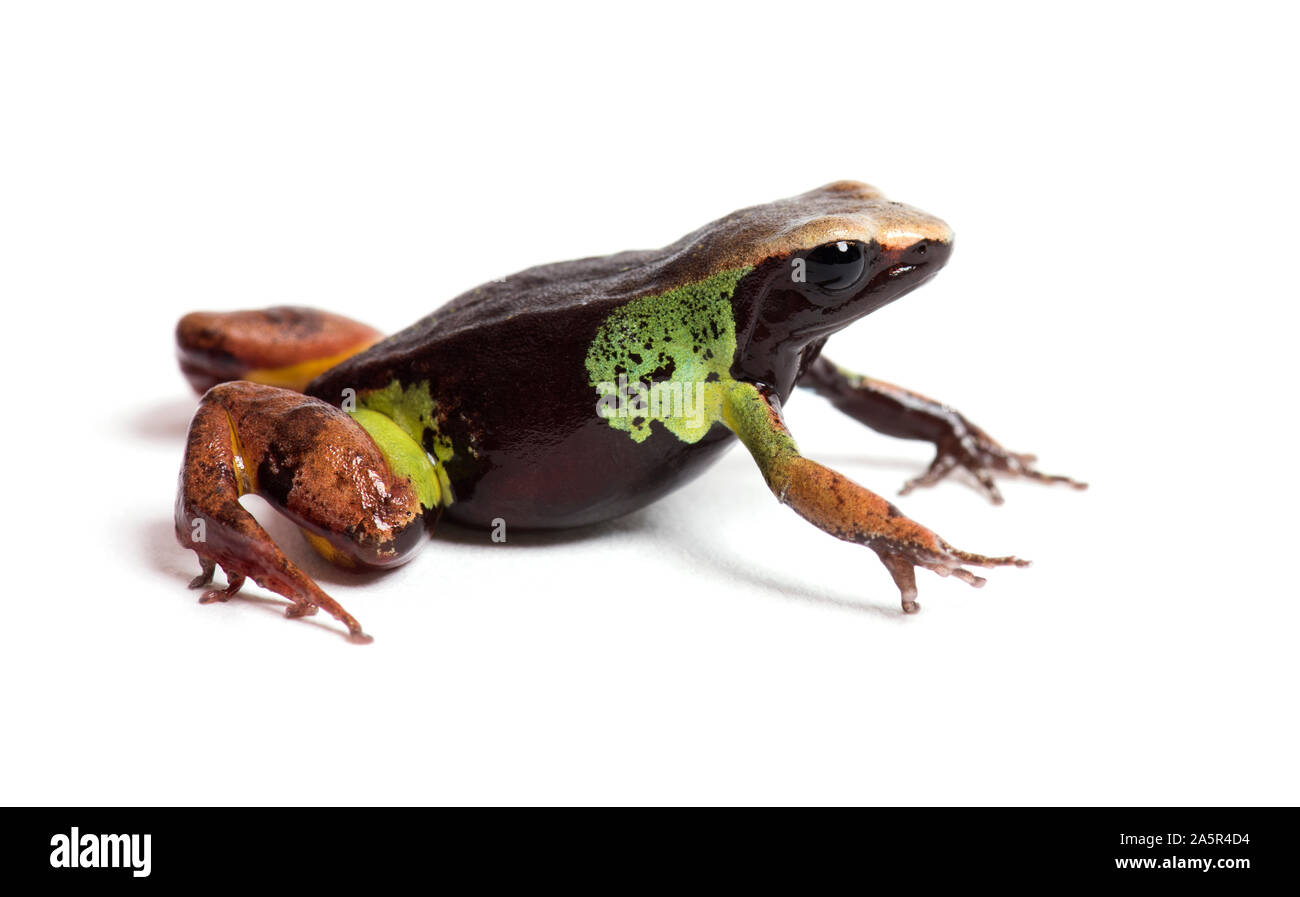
[[836, 504], [898, 412], [313, 463]]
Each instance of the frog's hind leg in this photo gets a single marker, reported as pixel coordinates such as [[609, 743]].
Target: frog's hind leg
[[904, 414], [312, 462], [285, 346]]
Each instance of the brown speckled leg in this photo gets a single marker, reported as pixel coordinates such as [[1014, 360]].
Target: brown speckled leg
[[836, 504], [898, 412], [314, 464], [839, 506]]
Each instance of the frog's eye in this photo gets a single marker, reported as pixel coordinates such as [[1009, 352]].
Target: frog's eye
[[836, 267]]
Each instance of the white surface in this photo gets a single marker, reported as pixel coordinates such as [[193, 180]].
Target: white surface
[[1122, 301]]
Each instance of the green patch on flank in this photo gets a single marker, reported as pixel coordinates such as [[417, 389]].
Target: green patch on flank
[[679, 345]]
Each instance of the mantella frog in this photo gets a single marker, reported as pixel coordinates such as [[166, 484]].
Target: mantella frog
[[569, 394]]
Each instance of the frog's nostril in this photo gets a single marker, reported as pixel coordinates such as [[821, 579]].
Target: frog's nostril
[[928, 252]]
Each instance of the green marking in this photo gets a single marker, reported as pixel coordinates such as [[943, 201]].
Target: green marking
[[412, 411], [404, 455], [680, 344]]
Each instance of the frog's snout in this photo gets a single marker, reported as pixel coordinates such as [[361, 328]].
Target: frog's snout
[[919, 261]]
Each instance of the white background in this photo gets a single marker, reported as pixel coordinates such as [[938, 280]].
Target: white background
[[1122, 301]]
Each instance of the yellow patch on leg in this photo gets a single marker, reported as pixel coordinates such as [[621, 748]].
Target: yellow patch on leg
[[297, 376], [326, 550]]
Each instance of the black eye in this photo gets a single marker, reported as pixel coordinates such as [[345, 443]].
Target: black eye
[[837, 266]]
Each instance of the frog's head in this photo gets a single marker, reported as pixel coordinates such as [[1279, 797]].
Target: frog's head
[[841, 252], [820, 261]]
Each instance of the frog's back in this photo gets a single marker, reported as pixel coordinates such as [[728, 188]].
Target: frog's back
[[599, 282], [504, 365]]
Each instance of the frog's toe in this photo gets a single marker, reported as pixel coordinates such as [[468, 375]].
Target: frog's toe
[[1031, 473], [980, 560], [206, 569], [902, 568], [234, 582], [975, 582], [942, 465]]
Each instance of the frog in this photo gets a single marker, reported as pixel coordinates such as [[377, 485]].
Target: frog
[[570, 394]]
